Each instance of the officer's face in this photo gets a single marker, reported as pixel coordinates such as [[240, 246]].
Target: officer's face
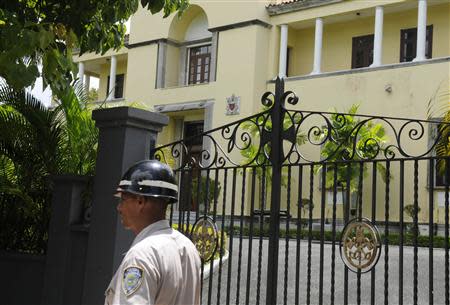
[[128, 209]]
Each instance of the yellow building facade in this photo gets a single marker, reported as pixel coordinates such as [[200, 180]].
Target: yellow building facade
[[388, 56]]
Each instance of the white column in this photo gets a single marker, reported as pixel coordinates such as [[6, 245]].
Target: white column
[[112, 78], [378, 37], [161, 65], [318, 47], [81, 72], [421, 30], [87, 82], [283, 51]]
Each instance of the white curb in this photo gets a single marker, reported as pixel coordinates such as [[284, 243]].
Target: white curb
[[216, 262]]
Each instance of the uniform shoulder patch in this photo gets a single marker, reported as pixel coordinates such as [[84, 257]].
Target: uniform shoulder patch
[[131, 280]]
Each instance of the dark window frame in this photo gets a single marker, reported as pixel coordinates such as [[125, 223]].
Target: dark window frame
[[366, 51], [118, 88], [194, 146], [404, 41], [199, 65]]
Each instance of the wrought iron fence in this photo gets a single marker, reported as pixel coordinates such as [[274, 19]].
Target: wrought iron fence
[[310, 207]]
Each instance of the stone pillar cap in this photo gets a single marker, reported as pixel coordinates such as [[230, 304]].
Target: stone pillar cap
[[128, 116]]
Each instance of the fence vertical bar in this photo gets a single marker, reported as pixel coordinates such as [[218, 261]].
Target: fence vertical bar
[[447, 278], [276, 158], [430, 231], [250, 237], [386, 234], [222, 235], [374, 213], [401, 207], [199, 184], [261, 232], [333, 242], [299, 224], [241, 225], [216, 184], [189, 202], [360, 187], [286, 258], [311, 197], [416, 229], [231, 235], [322, 231], [346, 219]]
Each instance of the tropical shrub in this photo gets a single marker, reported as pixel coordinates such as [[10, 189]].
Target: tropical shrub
[[254, 155], [35, 143], [349, 138]]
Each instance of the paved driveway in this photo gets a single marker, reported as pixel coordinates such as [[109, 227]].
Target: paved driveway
[[235, 282]]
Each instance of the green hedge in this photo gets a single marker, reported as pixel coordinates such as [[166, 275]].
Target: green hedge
[[392, 238]]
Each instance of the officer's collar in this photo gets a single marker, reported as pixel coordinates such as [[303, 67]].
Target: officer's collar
[[156, 226]]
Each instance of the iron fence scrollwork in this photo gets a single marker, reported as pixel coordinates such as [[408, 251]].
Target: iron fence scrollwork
[[259, 148]]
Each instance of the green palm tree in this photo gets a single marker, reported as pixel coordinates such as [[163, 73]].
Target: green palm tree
[[35, 143], [439, 107], [352, 139]]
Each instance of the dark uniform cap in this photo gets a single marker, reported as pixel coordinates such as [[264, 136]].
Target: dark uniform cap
[[150, 178]]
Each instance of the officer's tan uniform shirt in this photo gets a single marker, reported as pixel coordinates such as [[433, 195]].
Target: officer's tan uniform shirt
[[162, 267]]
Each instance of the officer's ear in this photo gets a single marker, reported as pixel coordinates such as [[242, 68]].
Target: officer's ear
[[141, 201]]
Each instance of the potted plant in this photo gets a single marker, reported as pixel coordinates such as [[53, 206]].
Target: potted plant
[[349, 138], [305, 206], [411, 211]]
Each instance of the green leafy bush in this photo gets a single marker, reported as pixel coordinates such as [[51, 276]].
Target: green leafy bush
[[40, 142]]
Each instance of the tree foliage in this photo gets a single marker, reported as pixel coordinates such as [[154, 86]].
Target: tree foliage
[[37, 143], [254, 154], [350, 138], [439, 108], [35, 31]]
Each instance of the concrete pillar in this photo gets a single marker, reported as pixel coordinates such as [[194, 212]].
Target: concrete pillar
[[161, 65], [67, 208], [81, 72], [87, 82], [318, 47], [213, 63], [283, 51], [182, 76], [421, 31], [112, 78], [126, 135], [378, 37]]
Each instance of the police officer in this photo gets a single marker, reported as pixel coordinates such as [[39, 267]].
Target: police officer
[[162, 266]]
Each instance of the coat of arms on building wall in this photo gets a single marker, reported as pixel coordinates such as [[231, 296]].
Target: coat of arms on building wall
[[233, 104]]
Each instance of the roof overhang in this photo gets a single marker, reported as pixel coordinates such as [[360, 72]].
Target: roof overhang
[[297, 5]]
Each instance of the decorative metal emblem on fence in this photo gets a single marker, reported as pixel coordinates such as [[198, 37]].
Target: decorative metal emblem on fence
[[205, 237], [360, 245]]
